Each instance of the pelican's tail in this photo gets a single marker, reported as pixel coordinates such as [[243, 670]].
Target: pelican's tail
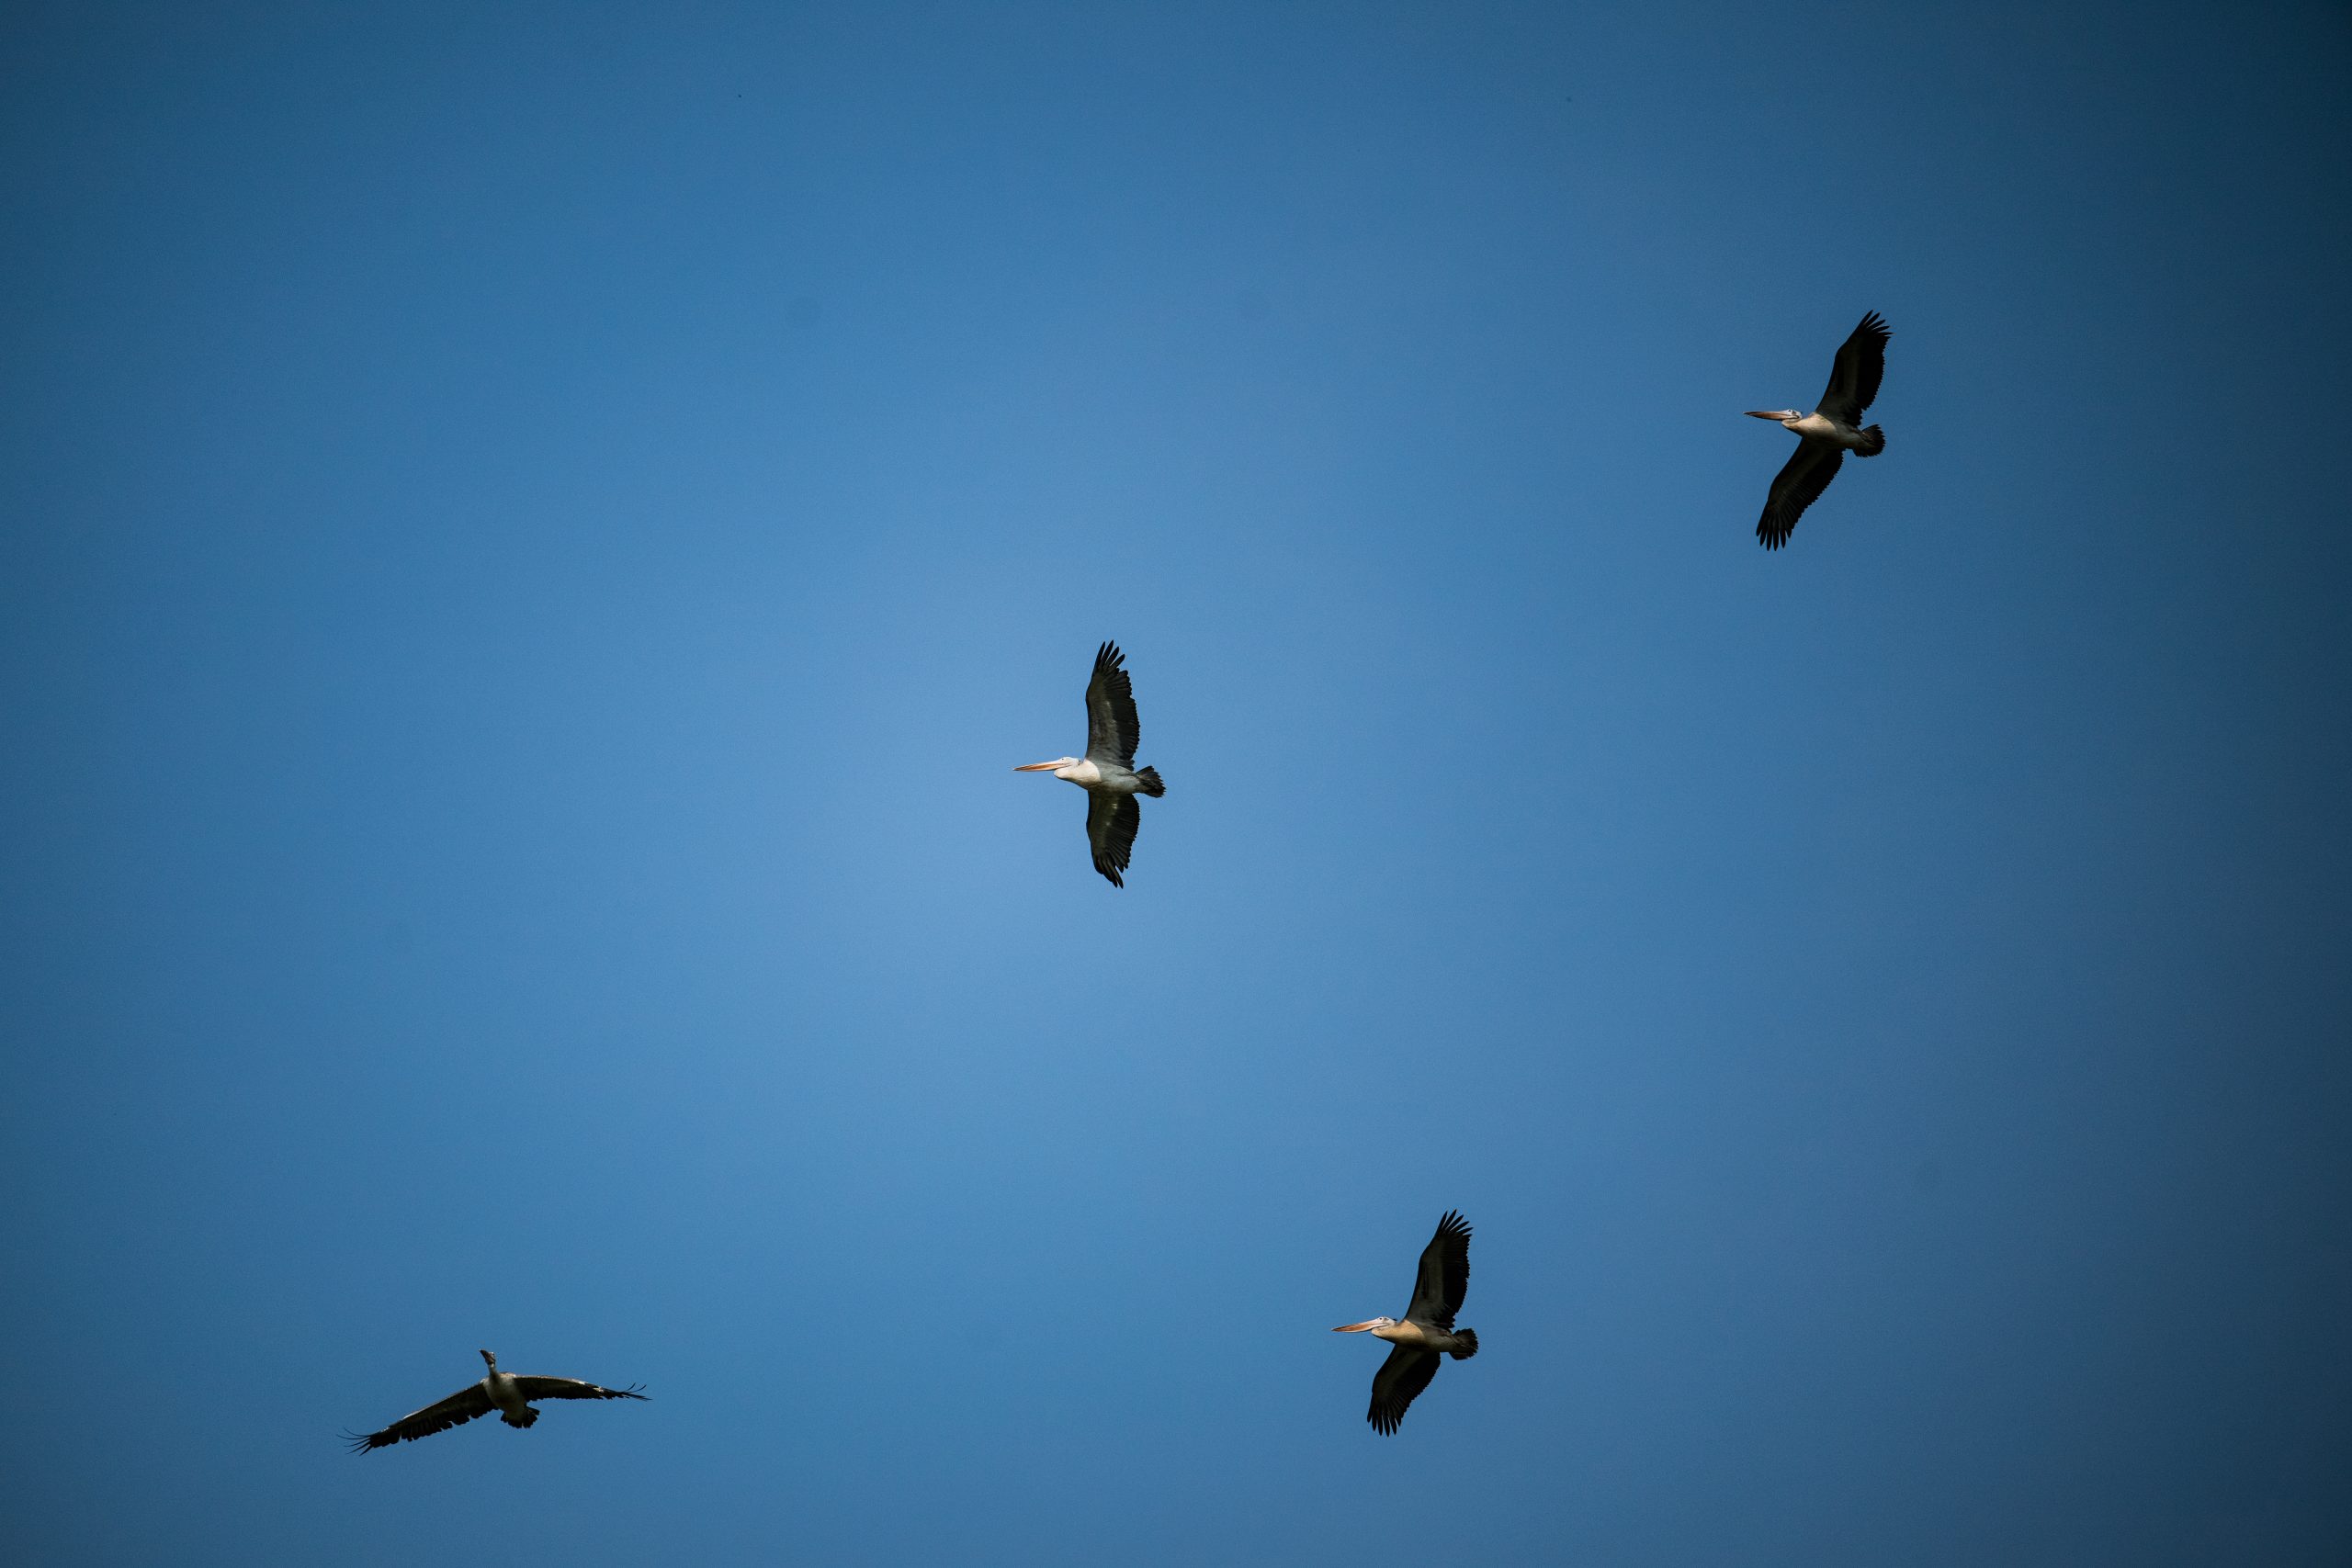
[[1148, 783], [1467, 1345], [1873, 442], [524, 1419]]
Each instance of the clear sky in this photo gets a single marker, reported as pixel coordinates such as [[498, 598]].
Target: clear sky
[[536, 535]]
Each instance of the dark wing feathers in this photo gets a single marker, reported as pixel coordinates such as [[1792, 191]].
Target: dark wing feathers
[[1111, 823], [1112, 731], [1797, 486], [1398, 1381], [572, 1388], [455, 1411], [1855, 374], [1444, 1276]]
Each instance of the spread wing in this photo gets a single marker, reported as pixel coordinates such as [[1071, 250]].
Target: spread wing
[[1112, 731], [455, 1411], [1855, 374], [1444, 1277], [1398, 1384], [1111, 823], [1797, 486], [572, 1388]]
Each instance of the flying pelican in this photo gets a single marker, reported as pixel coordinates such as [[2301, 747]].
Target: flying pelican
[[1427, 1330], [504, 1391], [1828, 432], [1108, 772]]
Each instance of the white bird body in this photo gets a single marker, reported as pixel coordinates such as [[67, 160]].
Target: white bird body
[[1420, 1336], [1087, 773], [513, 1408], [1821, 427]]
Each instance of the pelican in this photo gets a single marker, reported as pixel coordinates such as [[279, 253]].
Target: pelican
[[1828, 432], [504, 1391], [1427, 1330], [1108, 772]]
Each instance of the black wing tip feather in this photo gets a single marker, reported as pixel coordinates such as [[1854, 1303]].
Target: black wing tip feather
[[1112, 858], [1113, 729], [1871, 338], [361, 1442], [1110, 669], [1802, 480], [1414, 1372], [578, 1388], [1119, 819], [1450, 1247]]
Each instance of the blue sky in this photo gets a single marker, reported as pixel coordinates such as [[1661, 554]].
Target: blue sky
[[535, 537]]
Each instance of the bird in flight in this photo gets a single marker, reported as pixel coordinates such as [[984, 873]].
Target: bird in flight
[[1828, 432], [509, 1395], [1427, 1331], [1108, 772]]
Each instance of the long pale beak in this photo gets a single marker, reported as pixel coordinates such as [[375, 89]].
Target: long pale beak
[[1776, 415], [1036, 767], [1355, 1327]]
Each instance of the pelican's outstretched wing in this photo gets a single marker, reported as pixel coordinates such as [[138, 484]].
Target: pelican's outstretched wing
[[1111, 823], [1855, 374], [1398, 1384], [1112, 731], [1797, 486], [572, 1388], [455, 1411], [1444, 1277]]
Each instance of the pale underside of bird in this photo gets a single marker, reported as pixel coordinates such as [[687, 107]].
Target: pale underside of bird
[[1108, 772], [1833, 429], [1427, 1333], [508, 1395]]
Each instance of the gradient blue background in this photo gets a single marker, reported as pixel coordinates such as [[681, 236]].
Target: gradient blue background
[[535, 537]]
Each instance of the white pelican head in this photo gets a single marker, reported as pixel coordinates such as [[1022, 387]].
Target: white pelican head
[[1056, 766], [1781, 416], [491, 1359], [1369, 1325]]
